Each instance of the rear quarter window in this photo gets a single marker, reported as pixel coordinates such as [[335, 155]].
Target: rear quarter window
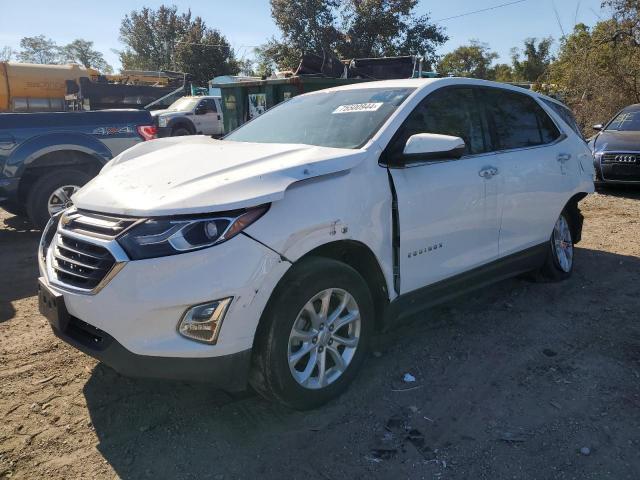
[[566, 115]]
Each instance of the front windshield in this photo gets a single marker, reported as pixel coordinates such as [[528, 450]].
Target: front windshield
[[183, 104], [339, 118], [626, 122]]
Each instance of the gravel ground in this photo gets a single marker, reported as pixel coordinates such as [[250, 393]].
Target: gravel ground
[[519, 380]]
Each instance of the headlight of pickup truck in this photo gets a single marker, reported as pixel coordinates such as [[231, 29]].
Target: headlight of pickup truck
[[170, 236], [162, 122]]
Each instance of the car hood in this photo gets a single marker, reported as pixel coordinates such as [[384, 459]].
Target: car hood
[[609, 141], [197, 174], [166, 113]]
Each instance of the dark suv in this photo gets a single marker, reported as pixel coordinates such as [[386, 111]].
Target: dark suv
[[616, 148]]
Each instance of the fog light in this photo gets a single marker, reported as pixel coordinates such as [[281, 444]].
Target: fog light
[[202, 322]]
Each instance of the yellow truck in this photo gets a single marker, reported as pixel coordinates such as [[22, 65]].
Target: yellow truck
[[28, 87]]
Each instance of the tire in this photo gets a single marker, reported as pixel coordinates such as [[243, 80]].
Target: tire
[[180, 132], [559, 263], [276, 344], [44, 187]]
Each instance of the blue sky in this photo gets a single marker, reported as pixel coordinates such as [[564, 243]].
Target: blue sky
[[248, 22]]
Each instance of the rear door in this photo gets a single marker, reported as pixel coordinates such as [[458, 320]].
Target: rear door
[[447, 208], [537, 164]]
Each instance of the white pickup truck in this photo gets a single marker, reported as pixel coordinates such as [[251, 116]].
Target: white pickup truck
[[191, 116], [273, 256]]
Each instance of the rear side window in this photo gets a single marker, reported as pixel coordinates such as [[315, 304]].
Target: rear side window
[[518, 121], [450, 111], [566, 115]]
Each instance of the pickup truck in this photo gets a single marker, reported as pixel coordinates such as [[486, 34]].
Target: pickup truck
[[191, 116], [46, 157]]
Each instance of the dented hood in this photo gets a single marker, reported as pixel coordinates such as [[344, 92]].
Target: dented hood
[[184, 175]]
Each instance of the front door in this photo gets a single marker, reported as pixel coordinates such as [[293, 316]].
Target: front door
[[447, 209]]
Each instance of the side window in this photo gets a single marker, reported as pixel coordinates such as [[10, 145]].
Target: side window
[[450, 111], [211, 105], [566, 115], [518, 120]]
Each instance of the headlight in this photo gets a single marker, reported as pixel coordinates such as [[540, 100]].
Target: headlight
[[170, 236], [162, 122]]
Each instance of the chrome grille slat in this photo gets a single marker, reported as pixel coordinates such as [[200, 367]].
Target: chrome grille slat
[[61, 249], [96, 225], [58, 256]]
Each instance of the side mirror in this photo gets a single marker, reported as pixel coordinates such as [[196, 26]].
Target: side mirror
[[598, 127], [423, 147], [201, 110]]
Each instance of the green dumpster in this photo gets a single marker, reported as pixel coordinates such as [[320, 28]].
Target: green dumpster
[[242, 101]]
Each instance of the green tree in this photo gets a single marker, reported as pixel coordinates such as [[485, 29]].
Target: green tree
[[473, 60], [596, 72], [375, 28], [349, 29], [501, 72], [164, 39], [38, 49], [536, 58], [81, 51]]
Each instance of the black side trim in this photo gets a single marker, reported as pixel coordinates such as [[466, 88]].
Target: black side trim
[[395, 234], [440, 292]]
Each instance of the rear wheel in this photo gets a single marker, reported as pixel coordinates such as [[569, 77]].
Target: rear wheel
[[559, 263], [314, 335], [52, 193]]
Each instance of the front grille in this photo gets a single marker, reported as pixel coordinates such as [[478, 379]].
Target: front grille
[[78, 263], [95, 224], [621, 158]]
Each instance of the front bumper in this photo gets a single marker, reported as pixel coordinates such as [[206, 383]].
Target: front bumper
[[228, 372], [136, 313]]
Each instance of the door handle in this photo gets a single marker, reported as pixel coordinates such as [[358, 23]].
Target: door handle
[[488, 172], [564, 157], [218, 117]]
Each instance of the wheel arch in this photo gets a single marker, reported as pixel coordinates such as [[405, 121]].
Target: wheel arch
[[182, 122], [354, 254], [52, 160], [575, 217]]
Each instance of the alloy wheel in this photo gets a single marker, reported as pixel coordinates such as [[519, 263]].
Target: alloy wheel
[[61, 198], [563, 244], [324, 338]]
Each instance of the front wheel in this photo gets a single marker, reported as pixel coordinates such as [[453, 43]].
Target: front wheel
[[559, 263], [314, 334]]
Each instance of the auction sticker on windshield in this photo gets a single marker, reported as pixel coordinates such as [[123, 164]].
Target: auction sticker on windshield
[[358, 107]]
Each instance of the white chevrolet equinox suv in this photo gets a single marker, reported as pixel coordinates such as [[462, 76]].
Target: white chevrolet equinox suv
[[273, 256]]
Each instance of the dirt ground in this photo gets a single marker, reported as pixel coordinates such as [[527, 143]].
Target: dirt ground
[[512, 381]]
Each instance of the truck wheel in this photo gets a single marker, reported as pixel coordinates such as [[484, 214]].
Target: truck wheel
[[559, 263], [180, 132], [314, 334], [52, 193]]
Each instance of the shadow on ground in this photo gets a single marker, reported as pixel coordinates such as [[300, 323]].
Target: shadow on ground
[[20, 268], [510, 383]]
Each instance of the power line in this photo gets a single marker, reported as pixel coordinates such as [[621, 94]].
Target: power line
[[480, 11]]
